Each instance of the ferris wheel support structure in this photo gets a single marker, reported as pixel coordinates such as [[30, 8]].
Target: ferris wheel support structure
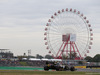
[[64, 48]]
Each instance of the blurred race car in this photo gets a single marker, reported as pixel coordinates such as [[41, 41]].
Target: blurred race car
[[57, 66]]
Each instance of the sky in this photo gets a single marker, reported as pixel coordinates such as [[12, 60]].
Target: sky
[[22, 23]]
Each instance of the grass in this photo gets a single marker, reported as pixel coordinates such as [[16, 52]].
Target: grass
[[23, 63], [27, 72]]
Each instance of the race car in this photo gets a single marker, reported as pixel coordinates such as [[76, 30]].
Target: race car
[[58, 66]]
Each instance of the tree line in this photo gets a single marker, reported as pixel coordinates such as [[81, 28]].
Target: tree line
[[37, 56], [96, 58]]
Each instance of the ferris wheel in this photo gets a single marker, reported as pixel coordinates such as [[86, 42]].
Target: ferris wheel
[[68, 31]]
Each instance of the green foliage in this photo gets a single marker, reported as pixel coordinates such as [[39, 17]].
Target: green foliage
[[89, 59], [24, 63], [39, 56], [64, 57], [80, 62], [48, 57], [32, 56], [72, 55], [20, 57], [96, 58]]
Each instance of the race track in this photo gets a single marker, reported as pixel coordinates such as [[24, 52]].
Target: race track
[[88, 70]]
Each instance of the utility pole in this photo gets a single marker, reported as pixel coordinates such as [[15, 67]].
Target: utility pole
[[29, 53]]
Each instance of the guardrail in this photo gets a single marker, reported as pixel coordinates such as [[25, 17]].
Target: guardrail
[[87, 66], [92, 66]]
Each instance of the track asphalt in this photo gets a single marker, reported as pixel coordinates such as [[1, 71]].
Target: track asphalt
[[88, 70]]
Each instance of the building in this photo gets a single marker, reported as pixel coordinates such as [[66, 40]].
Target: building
[[4, 53]]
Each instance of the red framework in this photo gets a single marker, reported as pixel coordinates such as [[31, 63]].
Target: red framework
[[68, 47]]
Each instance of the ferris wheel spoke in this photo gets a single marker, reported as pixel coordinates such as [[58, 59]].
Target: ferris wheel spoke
[[55, 28], [58, 28], [82, 39], [57, 25], [82, 42], [52, 50], [83, 36], [84, 31], [54, 39], [55, 31], [79, 25], [55, 44], [82, 46]]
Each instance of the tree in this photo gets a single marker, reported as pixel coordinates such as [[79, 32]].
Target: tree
[[39, 56], [20, 57], [89, 59], [64, 57], [48, 57], [72, 55], [32, 56], [96, 58], [80, 62]]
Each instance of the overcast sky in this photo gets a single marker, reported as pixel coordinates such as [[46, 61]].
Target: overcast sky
[[22, 23]]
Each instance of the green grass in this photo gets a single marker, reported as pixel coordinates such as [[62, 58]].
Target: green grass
[[27, 72], [23, 63]]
